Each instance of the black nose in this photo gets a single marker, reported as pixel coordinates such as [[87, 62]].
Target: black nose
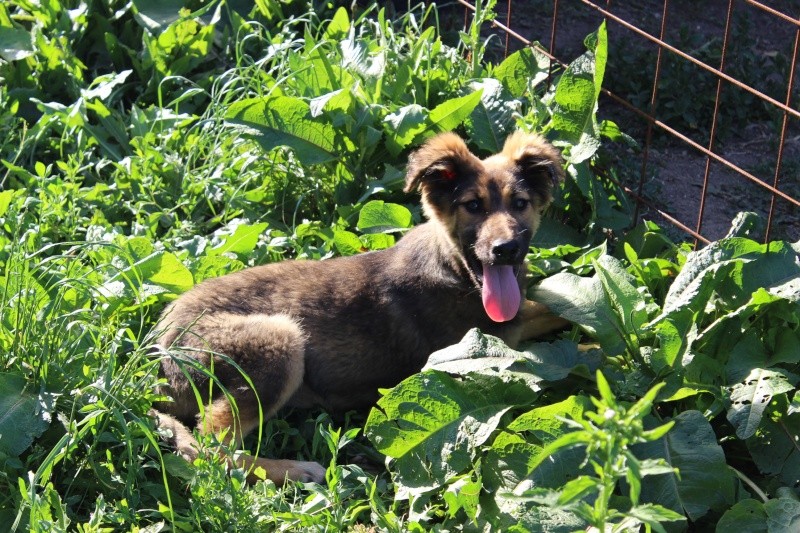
[[505, 251]]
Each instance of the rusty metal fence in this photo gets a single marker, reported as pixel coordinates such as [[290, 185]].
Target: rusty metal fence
[[756, 171]]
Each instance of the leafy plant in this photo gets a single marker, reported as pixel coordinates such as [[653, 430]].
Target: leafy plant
[[148, 147], [608, 435]]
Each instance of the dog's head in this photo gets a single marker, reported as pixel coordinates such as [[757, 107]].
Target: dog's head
[[490, 208]]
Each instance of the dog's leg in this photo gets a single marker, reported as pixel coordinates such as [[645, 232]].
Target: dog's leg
[[269, 351], [537, 320]]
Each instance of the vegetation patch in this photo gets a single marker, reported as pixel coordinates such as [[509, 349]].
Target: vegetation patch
[[148, 146]]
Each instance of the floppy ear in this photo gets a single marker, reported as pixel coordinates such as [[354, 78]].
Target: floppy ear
[[440, 160], [538, 162]]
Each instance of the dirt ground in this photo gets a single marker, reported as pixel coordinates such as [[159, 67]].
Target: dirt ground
[[675, 170]]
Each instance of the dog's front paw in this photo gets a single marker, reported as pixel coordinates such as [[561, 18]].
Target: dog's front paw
[[306, 472]]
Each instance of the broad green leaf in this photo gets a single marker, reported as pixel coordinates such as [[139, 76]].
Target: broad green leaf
[[166, 270], [155, 15], [139, 248], [314, 73], [516, 452], [212, 266], [493, 118], [551, 361], [152, 272], [688, 281], [675, 333], [15, 44], [523, 70], [178, 466], [403, 126], [102, 86], [612, 131], [704, 482], [451, 113], [654, 515], [783, 515], [620, 291], [576, 99], [746, 515], [778, 515], [787, 347], [684, 309], [472, 350], [738, 267], [338, 26], [463, 494], [340, 99], [605, 211], [750, 398], [728, 340], [583, 302], [431, 424], [544, 422], [598, 44], [5, 201], [534, 364], [242, 241], [378, 241], [378, 216], [775, 264], [646, 241], [774, 447], [554, 460], [746, 224], [553, 233], [794, 405], [347, 243], [285, 121], [24, 416], [541, 519], [590, 256], [577, 489], [747, 355]]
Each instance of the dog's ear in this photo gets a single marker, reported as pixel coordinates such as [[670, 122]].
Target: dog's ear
[[441, 159], [538, 162]]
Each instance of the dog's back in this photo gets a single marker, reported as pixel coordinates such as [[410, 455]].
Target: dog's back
[[362, 322]]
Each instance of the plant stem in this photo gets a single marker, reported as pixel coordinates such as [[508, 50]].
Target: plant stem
[[749, 482]]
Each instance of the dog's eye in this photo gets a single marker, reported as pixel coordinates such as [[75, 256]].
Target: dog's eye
[[520, 204], [473, 206]]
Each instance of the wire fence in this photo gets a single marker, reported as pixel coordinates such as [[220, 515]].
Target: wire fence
[[708, 90]]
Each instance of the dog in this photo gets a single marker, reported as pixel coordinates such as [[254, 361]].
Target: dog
[[331, 333]]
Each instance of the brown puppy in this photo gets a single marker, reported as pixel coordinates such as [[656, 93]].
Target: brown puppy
[[331, 333]]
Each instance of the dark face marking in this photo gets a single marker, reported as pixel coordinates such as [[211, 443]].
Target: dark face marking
[[494, 219]]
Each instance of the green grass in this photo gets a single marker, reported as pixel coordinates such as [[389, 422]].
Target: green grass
[[141, 153]]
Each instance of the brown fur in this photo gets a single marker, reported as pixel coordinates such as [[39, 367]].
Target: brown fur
[[331, 333]]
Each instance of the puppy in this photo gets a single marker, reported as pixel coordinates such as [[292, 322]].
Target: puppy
[[331, 333]]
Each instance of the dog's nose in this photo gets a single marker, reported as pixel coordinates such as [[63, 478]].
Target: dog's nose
[[505, 251]]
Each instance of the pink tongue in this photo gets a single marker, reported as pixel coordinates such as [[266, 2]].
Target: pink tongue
[[501, 294]]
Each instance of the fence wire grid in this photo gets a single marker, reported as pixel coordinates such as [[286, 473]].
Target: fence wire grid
[[707, 89]]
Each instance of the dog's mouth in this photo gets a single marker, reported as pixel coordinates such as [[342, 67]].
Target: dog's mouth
[[499, 289]]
